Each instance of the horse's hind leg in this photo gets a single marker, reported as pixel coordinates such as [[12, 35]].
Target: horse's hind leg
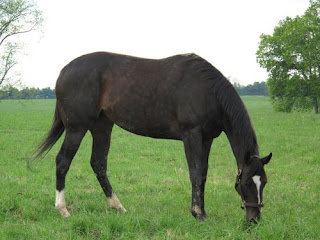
[[68, 149], [101, 134]]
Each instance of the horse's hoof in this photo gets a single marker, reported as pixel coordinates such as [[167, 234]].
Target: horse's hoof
[[63, 212], [115, 203], [198, 213], [122, 210], [201, 218]]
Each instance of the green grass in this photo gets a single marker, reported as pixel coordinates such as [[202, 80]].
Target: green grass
[[150, 178]]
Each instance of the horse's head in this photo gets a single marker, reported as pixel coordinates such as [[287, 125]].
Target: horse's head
[[250, 182]]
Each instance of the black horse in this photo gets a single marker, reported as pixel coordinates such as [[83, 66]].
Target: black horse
[[181, 97]]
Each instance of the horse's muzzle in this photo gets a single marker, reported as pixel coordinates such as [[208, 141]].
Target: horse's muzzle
[[252, 214]]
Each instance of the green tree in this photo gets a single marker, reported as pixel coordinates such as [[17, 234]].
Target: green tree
[[292, 58], [16, 17]]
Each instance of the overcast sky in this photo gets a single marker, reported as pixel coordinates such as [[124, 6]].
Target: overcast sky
[[226, 33]]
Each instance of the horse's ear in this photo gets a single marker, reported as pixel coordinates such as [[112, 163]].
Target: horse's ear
[[266, 159]]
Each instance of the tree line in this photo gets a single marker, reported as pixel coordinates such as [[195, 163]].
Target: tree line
[[257, 88], [27, 93]]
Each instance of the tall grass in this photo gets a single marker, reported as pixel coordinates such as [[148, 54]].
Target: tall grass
[[151, 179]]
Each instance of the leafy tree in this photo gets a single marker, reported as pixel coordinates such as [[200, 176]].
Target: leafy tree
[[292, 58], [16, 17]]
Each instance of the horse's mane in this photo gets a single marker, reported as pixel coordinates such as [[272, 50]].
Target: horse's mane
[[230, 101]]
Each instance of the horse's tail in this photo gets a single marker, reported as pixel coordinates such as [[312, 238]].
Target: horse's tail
[[52, 137]]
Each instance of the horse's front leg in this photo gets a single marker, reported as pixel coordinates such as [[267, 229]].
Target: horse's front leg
[[198, 165], [206, 146]]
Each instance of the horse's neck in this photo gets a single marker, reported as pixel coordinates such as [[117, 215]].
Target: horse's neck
[[241, 143]]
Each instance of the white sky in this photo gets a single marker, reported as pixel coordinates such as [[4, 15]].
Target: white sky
[[225, 32]]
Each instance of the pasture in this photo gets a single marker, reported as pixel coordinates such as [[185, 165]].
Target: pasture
[[151, 179]]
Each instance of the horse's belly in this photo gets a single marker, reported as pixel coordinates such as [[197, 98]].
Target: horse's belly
[[145, 124], [155, 131]]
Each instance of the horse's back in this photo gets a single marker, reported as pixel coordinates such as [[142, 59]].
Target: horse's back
[[145, 96]]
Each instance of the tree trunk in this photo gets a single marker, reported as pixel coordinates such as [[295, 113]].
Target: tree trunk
[[316, 106]]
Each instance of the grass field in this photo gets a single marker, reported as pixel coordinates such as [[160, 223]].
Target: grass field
[[151, 179]]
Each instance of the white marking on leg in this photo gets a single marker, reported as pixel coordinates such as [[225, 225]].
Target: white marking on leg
[[197, 209], [257, 181], [61, 203], [114, 202]]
